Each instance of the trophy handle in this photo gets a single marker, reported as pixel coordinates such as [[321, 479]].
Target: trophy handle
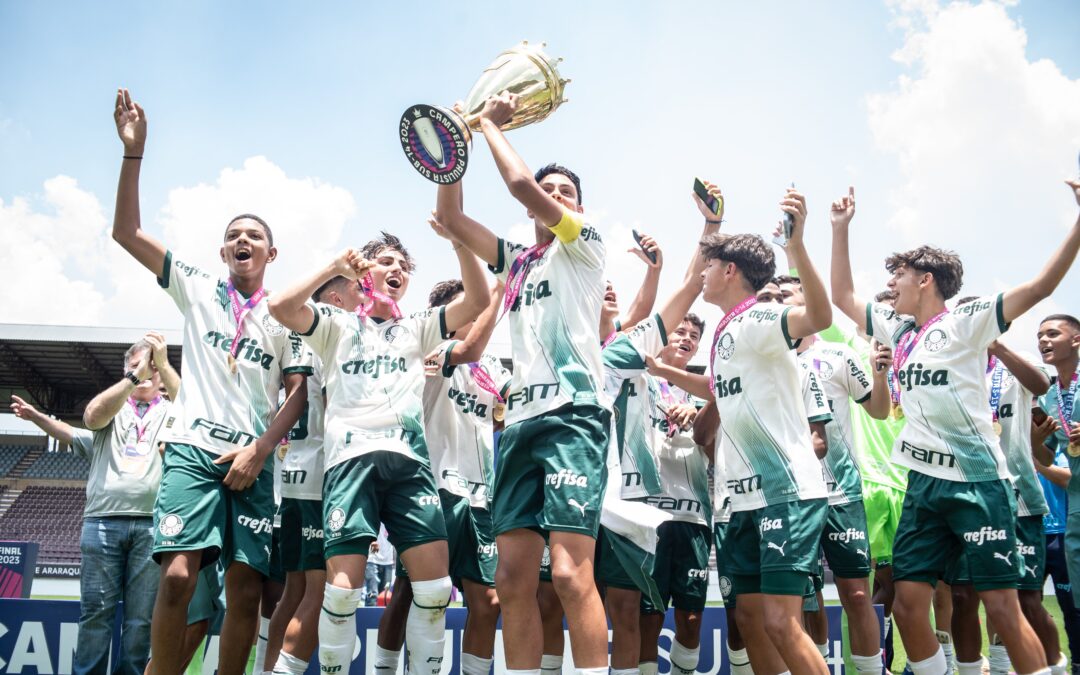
[[436, 142]]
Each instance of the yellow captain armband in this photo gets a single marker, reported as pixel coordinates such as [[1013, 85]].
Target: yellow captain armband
[[568, 229]]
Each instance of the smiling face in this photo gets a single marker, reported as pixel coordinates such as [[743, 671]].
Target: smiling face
[[610, 308], [247, 248], [1059, 341], [391, 273], [909, 284], [682, 344]]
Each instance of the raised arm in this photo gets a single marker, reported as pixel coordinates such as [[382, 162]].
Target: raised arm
[[642, 305], [1029, 375], [816, 314], [127, 229], [679, 303], [290, 306], [61, 431], [843, 286], [475, 298], [170, 379], [695, 384], [476, 237], [104, 407], [1025, 296], [519, 180], [472, 347]]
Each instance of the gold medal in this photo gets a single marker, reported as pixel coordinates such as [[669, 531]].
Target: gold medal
[[282, 449], [997, 427], [1074, 449], [898, 412], [232, 364], [498, 412]]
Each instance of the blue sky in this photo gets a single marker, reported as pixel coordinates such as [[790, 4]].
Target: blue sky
[[956, 123]]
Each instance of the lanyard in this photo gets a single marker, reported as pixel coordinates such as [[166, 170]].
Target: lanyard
[[367, 284], [1066, 402], [728, 318], [141, 431], [515, 278], [997, 373], [483, 380], [669, 400], [239, 313], [906, 345]]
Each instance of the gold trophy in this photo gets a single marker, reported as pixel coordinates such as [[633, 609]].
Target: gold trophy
[[436, 140]]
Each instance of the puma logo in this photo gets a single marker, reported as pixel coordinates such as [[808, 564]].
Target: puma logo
[[862, 553], [1031, 570], [780, 548], [1004, 557], [580, 507]]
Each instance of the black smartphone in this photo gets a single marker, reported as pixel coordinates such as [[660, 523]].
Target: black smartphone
[[789, 224], [1038, 415], [651, 255], [711, 203]]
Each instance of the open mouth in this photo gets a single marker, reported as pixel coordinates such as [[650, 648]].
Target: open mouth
[[393, 282], [243, 255], [684, 348], [609, 296]]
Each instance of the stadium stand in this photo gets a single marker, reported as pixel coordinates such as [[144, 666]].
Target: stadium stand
[[51, 516], [10, 456], [59, 466]]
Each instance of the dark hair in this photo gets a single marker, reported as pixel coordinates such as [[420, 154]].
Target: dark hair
[[444, 292], [966, 299], [252, 216], [787, 279], [696, 321], [886, 296], [944, 265], [387, 240], [336, 282], [1069, 319], [135, 349], [562, 170], [749, 252]]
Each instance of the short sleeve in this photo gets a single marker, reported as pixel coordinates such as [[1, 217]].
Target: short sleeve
[[587, 248], [446, 368], [765, 330], [817, 407], [883, 323], [508, 252], [430, 325], [857, 381], [298, 358], [980, 322], [500, 375], [184, 282], [82, 442], [325, 331]]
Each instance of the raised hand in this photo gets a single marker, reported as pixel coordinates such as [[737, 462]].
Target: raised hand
[[499, 109], [145, 368], [794, 203], [648, 244], [714, 192], [1075, 185], [130, 123], [22, 409], [433, 221], [843, 209], [158, 349], [351, 264]]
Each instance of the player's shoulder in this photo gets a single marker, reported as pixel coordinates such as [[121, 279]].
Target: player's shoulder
[[973, 308]]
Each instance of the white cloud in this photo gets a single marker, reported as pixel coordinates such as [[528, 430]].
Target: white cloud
[[984, 137]]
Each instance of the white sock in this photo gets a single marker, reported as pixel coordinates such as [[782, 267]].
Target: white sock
[[683, 659], [973, 668], [625, 671], [425, 629], [550, 663], [386, 661], [823, 649], [868, 664], [935, 665], [337, 628], [886, 625], [260, 645], [471, 664], [1044, 671], [648, 667], [531, 671], [602, 670], [739, 661], [945, 640], [999, 658], [287, 664], [1061, 667]]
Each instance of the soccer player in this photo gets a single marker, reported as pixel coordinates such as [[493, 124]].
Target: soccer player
[[551, 473], [377, 466], [844, 540], [216, 497], [463, 401], [958, 500]]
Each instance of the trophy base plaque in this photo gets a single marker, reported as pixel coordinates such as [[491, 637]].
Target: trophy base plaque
[[436, 142]]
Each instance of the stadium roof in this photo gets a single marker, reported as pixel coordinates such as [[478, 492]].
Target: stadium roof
[[60, 368]]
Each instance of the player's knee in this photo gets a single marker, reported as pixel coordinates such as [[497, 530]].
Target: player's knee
[[780, 626], [688, 628], [177, 584], [1003, 611], [487, 610], [855, 596], [570, 580], [433, 594]]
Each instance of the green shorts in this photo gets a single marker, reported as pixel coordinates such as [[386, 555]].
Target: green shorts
[[1072, 552], [209, 597], [302, 535], [196, 511], [774, 550], [551, 472], [609, 570], [883, 505], [277, 567], [473, 554], [944, 521], [723, 577], [682, 567], [545, 565], [844, 541], [1030, 557], [375, 487]]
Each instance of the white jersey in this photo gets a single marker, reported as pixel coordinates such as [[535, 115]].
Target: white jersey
[[684, 469], [1014, 414], [626, 382], [374, 378], [217, 410], [302, 465], [841, 377], [765, 436], [943, 391], [460, 428], [553, 324]]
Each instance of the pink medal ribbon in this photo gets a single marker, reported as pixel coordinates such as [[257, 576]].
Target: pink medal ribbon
[[728, 318], [669, 400], [906, 345], [239, 313], [483, 380], [367, 284], [609, 339], [141, 431], [515, 278]]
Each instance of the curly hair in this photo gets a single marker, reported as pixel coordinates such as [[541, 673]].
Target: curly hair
[[749, 252], [386, 240], [945, 266]]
